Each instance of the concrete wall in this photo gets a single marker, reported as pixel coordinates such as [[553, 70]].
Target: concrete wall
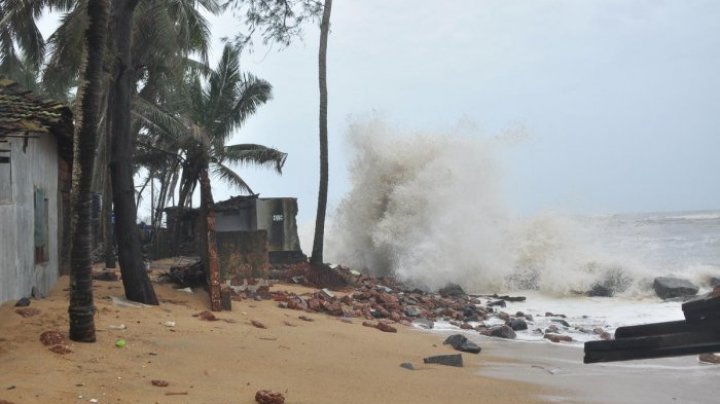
[[36, 167], [277, 217]]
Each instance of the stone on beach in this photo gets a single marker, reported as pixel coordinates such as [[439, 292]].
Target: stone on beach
[[447, 360], [269, 397], [502, 331], [669, 287], [461, 343]]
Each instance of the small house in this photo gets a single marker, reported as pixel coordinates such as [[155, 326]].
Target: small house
[[252, 233], [35, 179]]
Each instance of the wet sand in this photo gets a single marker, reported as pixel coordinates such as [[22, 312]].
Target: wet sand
[[668, 380]]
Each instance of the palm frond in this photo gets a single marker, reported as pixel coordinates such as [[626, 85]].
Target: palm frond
[[165, 123], [253, 154], [66, 48], [226, 174]]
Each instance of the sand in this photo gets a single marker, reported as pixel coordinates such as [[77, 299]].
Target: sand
[[227, 361]]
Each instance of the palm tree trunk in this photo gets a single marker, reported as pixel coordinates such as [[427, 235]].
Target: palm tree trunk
[[82, 309], [135, 279], [317, 251], [108, 231], [209, 254]]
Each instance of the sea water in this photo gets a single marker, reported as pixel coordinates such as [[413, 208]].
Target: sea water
[[428, 209]]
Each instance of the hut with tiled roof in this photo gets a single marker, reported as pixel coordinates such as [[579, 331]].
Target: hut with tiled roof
[[35, 178]]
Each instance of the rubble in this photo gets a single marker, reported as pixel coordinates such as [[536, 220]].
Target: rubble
[[269, 397], [52, 338], [159, 383]]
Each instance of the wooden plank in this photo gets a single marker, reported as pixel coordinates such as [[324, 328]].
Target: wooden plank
[[670, 327], [623, 355], [656, 346]]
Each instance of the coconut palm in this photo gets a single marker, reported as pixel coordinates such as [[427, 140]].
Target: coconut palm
[[81, 309], [317, 253], [213, 113]]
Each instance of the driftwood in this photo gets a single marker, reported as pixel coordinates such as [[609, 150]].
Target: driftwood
[[699, 333]]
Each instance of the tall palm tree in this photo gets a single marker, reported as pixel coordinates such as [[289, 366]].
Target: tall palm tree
[[317, 252], [82, 310]]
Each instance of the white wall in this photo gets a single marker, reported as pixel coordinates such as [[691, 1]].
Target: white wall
[[36, 167]]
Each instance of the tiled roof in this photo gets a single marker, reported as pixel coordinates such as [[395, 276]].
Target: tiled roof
[[20, 111]]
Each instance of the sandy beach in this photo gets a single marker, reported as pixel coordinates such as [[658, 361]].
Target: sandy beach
[[228, 361]]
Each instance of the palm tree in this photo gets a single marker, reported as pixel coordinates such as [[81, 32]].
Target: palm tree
[[212, 115], [82, 309], [317, 252]]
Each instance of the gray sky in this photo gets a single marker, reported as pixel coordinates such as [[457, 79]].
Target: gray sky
[[618, 99]]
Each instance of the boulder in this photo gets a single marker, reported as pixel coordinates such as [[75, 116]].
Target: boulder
[[668, 287], [599, 290], [447, 360], [518, 324], [452, 290], [561, 321], [502, 331], [461, 343]]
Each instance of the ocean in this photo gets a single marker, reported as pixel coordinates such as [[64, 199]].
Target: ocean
[[429, 209]]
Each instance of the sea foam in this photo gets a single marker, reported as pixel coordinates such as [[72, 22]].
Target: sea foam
[[428, 208]]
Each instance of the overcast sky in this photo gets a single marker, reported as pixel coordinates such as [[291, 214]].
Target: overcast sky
[[617, 99]]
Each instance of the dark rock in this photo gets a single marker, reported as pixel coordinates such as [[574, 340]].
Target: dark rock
[[552, 328], [561, 321], [549, 314], [498, 303], [24, 302], [461, 343], [519, 314], [413, 311], [35, 293], [510, 298], [407, 365], [452, 290], [599, 290], [502, 331], [424, 323], [667, 287], [529, 317], [503, 316], [447, 360], [159, 383], [518, 324], [714, 281]]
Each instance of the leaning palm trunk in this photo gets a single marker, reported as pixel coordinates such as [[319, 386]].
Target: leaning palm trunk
[[82, 309], [135, 279], [317, 251]]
